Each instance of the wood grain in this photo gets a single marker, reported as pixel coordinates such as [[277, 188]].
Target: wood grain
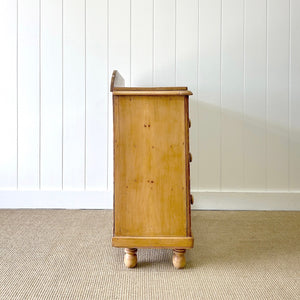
[[169, 88], [153, 242], [150, 166], [152, 93]]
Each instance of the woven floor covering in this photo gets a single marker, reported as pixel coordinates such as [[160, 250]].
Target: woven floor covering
[[67, 254]]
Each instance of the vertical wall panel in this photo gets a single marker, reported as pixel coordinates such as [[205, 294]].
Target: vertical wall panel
[[209, 117], [295, 96], [232, 95], [164, 43], [141, 42], [96, 94], [119, 38], [51, 94], [187, 69], [28, 94], [255, 95], [240, 58], [8, 94], [278, 94], [119, 58], [74, 94]]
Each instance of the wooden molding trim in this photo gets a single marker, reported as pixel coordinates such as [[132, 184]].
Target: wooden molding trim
[[153, 242], [167, 88], [152, 93]]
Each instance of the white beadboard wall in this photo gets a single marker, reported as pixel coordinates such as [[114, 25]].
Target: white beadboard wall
[[241, 59]]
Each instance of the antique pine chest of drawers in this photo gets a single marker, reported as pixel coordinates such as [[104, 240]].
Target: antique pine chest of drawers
[[152, 201]]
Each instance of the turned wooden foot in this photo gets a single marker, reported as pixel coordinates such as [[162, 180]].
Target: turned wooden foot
[[130, 258], [178, 258]]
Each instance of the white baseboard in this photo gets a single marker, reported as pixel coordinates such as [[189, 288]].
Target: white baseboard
[[104, 200], [57, 199], [246, 200]]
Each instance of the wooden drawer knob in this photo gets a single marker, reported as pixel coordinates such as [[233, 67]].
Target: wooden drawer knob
[[192, 199], [190, 157], [190, 123]]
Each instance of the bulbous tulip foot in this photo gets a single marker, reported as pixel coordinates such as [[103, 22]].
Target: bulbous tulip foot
[[179, 258], [130, 258]]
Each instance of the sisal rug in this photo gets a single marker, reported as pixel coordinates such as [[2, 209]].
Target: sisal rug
[[67, 254]]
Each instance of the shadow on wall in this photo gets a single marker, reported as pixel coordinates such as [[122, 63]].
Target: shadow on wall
[[239, 151]]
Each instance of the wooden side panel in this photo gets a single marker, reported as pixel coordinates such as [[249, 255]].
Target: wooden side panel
[[187, 165], [153, 242], [150, 169]]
